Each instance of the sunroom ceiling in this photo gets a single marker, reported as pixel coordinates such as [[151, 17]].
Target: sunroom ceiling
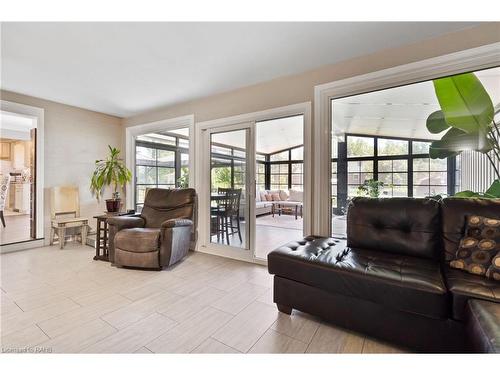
[[398, 112], [272, 135]]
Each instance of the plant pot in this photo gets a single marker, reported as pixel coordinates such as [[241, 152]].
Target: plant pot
[[113, 205]]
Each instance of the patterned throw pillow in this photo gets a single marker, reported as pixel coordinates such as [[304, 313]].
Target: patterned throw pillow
[[276, 197], [479, 250]]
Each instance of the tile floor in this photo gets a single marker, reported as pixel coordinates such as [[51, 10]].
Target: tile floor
[[64, 301], [17, 229]]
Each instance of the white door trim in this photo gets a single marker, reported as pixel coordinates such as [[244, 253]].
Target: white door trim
[[38, 114], [132, 132], [472, 59], [269, 114]]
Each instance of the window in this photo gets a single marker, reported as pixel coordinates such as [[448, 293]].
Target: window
[[386, 147], [239, 174], [297, 176], [360, 146], [357, 173], [280, 156], [261, 176], [334, 184], [394, 174], [388, 160], [430, 177], [162, 160], [419, 148], [279, 176], [390, 127], [297, 153], [286, 172], [228, 167]]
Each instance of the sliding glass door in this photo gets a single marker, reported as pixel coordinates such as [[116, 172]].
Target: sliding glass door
[[252, 197], [229, 179]]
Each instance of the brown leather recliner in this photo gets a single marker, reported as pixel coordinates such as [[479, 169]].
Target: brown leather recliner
[[160, 236]]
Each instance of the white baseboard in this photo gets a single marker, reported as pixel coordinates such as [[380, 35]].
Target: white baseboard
[[19, 246]]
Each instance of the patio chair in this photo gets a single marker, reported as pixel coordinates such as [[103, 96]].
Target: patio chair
[[227, 212]]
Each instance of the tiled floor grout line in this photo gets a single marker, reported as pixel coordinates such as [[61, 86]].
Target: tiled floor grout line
[[225, 312], [108, 323], [256, 341], [18, 306], [136, 322], [287, 335], [90, 344], [172, 319], [45, 333], [220, 342], [312, 337], [72, 300]]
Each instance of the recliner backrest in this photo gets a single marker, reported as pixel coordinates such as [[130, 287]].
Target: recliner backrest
[[165, 204], [407, 226]]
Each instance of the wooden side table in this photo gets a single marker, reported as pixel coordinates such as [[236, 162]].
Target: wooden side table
[[101, 243]]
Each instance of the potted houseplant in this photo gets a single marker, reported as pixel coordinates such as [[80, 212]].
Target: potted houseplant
[[110, 172], [468, 116], [371, 187]]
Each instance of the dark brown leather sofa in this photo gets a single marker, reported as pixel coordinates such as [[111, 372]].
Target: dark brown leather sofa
[[390, 279], [160, 236]]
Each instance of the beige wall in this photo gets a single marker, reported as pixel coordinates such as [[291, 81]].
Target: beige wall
[[74, 138], [300, 88]]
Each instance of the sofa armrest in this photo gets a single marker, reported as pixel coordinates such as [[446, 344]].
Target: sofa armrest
[[173, 223], [123, 222]]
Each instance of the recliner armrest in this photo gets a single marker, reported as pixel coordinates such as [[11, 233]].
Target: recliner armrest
[[172, 223], [123, 222]]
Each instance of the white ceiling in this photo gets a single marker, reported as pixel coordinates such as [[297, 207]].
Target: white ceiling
[[128, 68], [398, 112]]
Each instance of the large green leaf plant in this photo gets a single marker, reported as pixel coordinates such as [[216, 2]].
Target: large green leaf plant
[[468, 116], [110, 172]]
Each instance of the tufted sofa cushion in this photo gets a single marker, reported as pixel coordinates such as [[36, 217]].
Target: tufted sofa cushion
[[406, 226], [401, 282]]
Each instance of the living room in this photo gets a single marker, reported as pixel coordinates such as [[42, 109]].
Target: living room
[[258, 202]]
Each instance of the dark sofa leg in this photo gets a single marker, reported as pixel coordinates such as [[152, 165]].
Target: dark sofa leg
[[284, 309]]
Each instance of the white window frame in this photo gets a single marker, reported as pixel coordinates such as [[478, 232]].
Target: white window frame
[[132, 132], [483, 57], [38, 115]]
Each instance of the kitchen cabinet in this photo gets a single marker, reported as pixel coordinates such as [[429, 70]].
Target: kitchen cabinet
[[20, 197]]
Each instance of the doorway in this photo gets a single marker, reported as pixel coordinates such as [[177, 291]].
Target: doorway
[[279, 200], [18, 178], [254, 183]]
